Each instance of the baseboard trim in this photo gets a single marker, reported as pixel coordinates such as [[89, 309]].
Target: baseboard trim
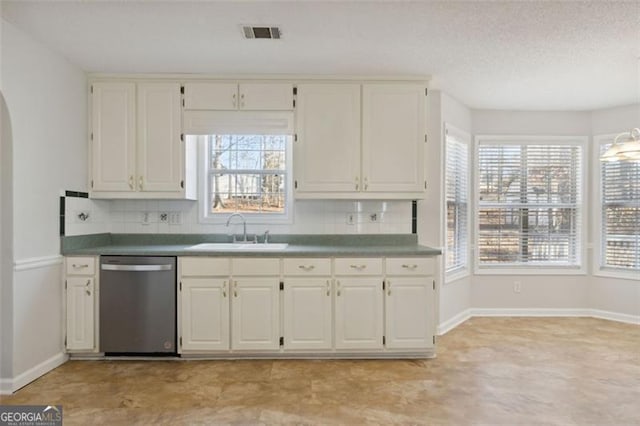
[[453, 322], [458, 319], [529, 312], [614, 316], [36, 372], [36, 262], [5, 386]]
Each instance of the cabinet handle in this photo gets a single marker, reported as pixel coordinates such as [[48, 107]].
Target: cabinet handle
[[366, 183], [140, 182], [131, 182], [358, 267], [306, 267], [328, 288], [242, 100], [234, 100], [88, 292], [411, 267], [235, 289], [357, 183], [388, 288], [84, 265], [87, 289], [224, 289], [88, 283], [338, 288]]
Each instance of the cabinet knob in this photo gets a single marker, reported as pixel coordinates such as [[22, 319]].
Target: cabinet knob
[[88, 292], [131, 182]]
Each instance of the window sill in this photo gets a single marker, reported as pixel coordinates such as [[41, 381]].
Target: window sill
[[530, 270], [622, 275], [456, 275]]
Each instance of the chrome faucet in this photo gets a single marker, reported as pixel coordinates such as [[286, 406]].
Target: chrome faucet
[[244, 226]]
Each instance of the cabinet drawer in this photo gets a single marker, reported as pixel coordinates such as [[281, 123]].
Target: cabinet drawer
[[307, 266], [204, 266], [411, 266], [358, 266], [81, 265], [255, 266]]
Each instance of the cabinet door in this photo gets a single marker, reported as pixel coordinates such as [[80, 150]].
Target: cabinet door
[[307, 313], [266, 96], [409, 312], [255, 320], [327, 151], [113, 132], [393, 133], [211, 96], [160, 152], [205, 314], [80, 313], [359, 313]]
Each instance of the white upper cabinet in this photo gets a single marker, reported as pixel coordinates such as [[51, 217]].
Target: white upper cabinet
[[136, 149], [327, 150], [113, 124], [359, 147], [393, 137], [160, 153], [220, 96]]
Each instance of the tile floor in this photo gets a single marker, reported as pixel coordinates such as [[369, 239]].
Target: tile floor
[[497, 371]]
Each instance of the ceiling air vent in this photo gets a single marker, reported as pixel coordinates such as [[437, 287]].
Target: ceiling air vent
[[261, 32]]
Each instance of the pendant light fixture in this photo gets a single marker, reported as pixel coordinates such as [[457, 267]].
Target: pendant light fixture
[[625, 147]]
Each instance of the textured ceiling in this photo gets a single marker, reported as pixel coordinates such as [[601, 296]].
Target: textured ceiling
[[544, 55]]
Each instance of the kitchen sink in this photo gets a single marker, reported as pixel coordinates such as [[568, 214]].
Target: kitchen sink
[[238, 246]]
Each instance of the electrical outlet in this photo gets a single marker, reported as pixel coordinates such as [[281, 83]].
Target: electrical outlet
[[82, 216], [351, 219], [175, 218], [517, 286], [163, 217], [145, 218], [373, 217]]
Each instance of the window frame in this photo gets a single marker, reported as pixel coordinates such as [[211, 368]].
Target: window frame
[[462, 137], [599, 269], [205, 217], [511, 269]]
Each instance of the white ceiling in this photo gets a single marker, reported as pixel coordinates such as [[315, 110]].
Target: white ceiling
[[543, 55]]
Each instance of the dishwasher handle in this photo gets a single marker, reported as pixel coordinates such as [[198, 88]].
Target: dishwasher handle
[[135, 268]]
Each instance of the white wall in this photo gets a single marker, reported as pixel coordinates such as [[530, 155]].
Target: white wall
[[621, 296], [454, 296], [538, 291], [46, 100]]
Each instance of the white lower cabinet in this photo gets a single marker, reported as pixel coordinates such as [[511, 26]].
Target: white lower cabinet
[[359, 313], [205, 314], [255, 322], [307, 313], [302, 306], [80, 313], [409, 313], [80, 299]]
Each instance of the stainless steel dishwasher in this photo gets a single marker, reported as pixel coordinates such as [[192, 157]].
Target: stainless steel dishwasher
[[137, 305]]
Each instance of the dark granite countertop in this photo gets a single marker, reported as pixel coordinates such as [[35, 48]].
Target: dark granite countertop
[[299, 245]]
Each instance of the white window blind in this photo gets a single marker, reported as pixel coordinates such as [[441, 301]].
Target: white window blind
[[457, 199], [620, 200], [529, 203]]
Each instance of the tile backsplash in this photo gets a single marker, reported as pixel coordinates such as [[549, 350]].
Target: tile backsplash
[[86, 216]]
